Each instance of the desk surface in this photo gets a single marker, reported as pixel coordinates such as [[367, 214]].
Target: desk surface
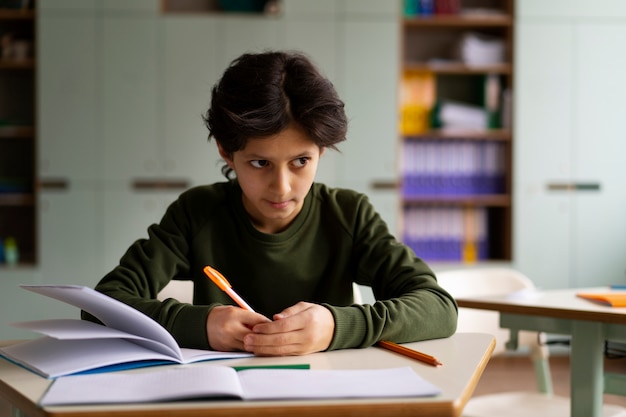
[[550, 303], [464, 357]]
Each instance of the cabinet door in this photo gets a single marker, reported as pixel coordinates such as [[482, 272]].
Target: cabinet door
[[189, 72], [239, 34], [129, 91], [370, 93], [67, 93], [600, 216], [16, 304], [127, 214], [70, 241], [569, 132], [543, 130]]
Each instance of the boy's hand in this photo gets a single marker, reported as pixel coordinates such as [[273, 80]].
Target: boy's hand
[[227, 326], [298, 330]]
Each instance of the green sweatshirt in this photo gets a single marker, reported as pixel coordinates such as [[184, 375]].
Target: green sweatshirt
[[337, 239]]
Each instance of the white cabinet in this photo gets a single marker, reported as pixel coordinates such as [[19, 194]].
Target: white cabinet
[[70, 236], [67, 89], [370, 92], [188, 73], [127, 214], [570, 130], [238, 34], [129, 96]]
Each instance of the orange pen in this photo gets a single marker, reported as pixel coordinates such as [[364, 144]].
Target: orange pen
[[225, 286]]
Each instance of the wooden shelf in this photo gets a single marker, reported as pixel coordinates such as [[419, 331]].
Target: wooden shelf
[[495, 200], [17, 14], [24, 64], [459, 21], [17, 199], [446, 134], [457, 68], [17, 132]]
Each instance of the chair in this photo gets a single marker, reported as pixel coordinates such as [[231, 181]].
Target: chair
[[183, 292], [178, 290], [498, 281]]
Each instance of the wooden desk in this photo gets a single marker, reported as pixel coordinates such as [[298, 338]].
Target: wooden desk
[[588, 323], [464, 357]]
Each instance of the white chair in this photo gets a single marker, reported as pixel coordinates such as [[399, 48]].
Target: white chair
[[540, 403], [178, 290], [183, 292]]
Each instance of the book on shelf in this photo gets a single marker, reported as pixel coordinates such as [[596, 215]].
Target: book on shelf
[[216, 381], [126, 339]]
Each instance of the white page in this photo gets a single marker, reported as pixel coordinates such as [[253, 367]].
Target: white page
[[111, 312], [52, 357], [68, 329], [164, 384], [189, 382], [267, 384], [65, 329]]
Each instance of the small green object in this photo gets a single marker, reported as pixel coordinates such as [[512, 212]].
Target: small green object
[[295, 366]]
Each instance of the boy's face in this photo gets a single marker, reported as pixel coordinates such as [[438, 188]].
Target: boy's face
[[275, 174]]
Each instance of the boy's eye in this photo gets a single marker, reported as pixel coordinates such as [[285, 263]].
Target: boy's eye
[[258, 163], [300, 162]]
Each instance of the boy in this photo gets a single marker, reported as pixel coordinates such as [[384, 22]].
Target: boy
[[290, 247]]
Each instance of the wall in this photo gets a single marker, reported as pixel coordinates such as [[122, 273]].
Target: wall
[[121, 92]]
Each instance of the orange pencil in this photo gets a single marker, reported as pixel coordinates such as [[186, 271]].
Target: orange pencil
[[414, 354]]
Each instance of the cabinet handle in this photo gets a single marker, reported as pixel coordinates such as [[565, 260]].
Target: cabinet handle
[[159, 184], [384, 185], [54, 184], [573, 186]]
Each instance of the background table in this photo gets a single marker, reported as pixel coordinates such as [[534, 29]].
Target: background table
[[562, 312], [463, 355]]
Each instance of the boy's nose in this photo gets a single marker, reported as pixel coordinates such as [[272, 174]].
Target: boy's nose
[[281, 182]]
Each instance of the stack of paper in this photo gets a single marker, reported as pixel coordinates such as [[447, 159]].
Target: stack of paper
[[478, 49]]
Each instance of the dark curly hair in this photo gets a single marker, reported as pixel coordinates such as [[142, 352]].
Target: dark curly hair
[[260, 94]]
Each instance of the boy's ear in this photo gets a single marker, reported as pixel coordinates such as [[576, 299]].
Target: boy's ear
[[227, 156]]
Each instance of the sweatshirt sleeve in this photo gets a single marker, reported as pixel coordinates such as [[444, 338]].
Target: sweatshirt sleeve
[[410, 305]]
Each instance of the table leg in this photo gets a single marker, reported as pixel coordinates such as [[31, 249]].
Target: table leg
[[587, 369]]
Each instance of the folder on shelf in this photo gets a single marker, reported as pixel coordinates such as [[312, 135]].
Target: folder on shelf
[[417, 98]]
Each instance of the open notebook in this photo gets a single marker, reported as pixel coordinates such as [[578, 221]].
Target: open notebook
[[129, 338], [211, 381]]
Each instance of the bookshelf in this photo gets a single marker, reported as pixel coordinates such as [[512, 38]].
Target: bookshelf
[[455, 128], [17, 133]]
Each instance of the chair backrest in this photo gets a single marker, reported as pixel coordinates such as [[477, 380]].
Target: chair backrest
[[485, 282], [183, 292], [179, 290]]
